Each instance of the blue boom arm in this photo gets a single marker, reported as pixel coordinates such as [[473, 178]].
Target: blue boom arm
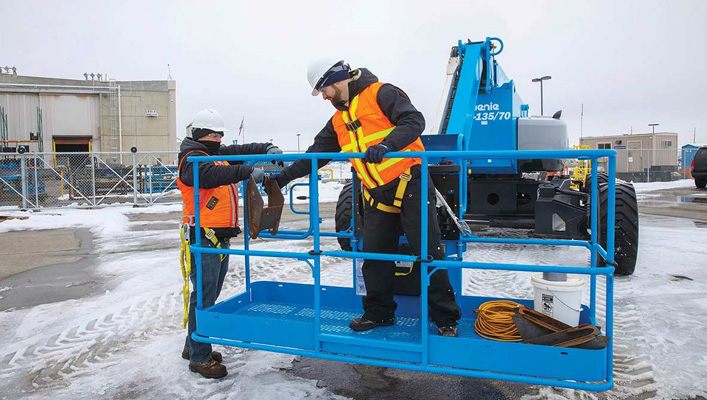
[[483, 106]]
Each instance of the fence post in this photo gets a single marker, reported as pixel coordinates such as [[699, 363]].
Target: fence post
[[648, 176], [134, 151], [93, 180], [149, 180], [23, 169], [36, 182]]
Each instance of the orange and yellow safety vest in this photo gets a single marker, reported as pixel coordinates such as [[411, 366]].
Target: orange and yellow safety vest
[[364, 125], [218, 206]]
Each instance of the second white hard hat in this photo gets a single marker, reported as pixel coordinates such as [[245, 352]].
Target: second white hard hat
[[209, 119]]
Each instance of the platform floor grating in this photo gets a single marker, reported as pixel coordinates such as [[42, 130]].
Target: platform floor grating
[[336, 321]]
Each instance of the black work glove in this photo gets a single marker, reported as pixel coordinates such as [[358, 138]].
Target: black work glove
[[375, 154], [275, 150], [280, 179], [258, 175]]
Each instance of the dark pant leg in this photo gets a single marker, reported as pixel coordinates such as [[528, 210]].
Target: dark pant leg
[[381, 232], [444, 310], [212, 277], [225, 244]]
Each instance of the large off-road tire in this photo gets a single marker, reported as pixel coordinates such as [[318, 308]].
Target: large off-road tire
[[700, 183], [602, 177], [626, 226], [342, 218]]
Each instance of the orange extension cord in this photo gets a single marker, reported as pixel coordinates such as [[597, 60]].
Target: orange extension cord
[[494, 321]]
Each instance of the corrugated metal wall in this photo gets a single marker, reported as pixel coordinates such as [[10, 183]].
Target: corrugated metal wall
[[62, 115]]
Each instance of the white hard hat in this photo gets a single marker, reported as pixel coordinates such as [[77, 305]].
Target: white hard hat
[[209, 119], [326, 71]]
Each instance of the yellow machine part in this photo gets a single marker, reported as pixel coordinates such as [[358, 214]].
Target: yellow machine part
[[580, 168]]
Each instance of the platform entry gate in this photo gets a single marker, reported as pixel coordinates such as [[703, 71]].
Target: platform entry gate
[[312, 319]]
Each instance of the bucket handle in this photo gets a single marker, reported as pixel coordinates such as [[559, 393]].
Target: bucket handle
[[565, 304]]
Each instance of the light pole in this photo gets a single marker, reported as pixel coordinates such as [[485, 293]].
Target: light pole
[[544, 78], [298, 142], [648, 178]]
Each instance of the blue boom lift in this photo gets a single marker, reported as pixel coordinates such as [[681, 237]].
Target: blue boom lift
[[482, 110], [478, 163]]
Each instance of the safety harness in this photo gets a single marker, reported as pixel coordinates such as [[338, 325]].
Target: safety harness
[[185, 262], [399, 193], [405, 177]]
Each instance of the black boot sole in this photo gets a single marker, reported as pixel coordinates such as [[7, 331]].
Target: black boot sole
[[368, 327]]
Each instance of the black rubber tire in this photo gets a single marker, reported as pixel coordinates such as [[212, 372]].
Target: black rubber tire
[[601, 178], [700, 183], [626, 226], [342, 218]]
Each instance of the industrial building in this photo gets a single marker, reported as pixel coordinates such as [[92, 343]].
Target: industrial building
[[642, 156], [92, 114]]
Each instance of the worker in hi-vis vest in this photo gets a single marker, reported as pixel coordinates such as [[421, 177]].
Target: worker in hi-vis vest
[[375, 118], [218, 213]]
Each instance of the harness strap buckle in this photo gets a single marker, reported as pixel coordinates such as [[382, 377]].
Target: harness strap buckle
[[185, 230], [353, 125], [405, 177], [209, 233]]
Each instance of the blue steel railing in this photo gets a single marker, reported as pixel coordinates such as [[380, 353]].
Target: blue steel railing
[[312, 258]]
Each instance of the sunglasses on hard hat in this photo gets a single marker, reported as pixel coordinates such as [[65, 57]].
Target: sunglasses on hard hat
[[325, 80]]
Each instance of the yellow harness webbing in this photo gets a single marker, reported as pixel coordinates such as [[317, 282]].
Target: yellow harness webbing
[[185, 262], [399, 193]]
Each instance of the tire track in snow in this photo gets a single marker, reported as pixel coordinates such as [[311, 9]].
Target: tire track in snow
[[633, 371], [78, 349]]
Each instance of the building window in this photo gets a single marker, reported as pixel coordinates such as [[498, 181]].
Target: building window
[[604, 146], [667, 144]]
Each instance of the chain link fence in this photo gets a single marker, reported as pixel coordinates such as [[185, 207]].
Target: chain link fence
[[646, 165], [51, 180], [47, 180]]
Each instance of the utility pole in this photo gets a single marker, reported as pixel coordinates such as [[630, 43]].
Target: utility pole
[[544, 78], [653, 125], [694, 135], [298, 143], [581, 122]]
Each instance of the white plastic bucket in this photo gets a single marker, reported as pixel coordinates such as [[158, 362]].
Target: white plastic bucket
[[559, 300]]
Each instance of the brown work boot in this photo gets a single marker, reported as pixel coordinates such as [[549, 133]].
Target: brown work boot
[[209, 369], [215, 355]]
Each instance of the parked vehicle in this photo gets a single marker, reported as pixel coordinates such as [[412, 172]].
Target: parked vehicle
[[699, 167]]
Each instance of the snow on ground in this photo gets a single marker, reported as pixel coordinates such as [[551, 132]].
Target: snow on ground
[[125, 343], [653, 186]]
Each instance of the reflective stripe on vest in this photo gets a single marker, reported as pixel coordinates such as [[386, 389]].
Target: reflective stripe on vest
[[218, 207], [364, 125]]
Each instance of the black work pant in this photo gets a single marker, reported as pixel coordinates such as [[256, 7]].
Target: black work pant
[[381, 233]]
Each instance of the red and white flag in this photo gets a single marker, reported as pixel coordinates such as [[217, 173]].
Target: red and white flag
[[240, 128]]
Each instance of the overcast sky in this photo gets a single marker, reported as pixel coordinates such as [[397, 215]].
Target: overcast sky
[[630, 63]]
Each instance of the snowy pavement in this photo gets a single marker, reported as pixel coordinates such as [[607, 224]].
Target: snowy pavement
[[125, 342]]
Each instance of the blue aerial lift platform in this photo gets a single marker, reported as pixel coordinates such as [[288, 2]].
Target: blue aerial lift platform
[[484, 145], [312, 319]]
